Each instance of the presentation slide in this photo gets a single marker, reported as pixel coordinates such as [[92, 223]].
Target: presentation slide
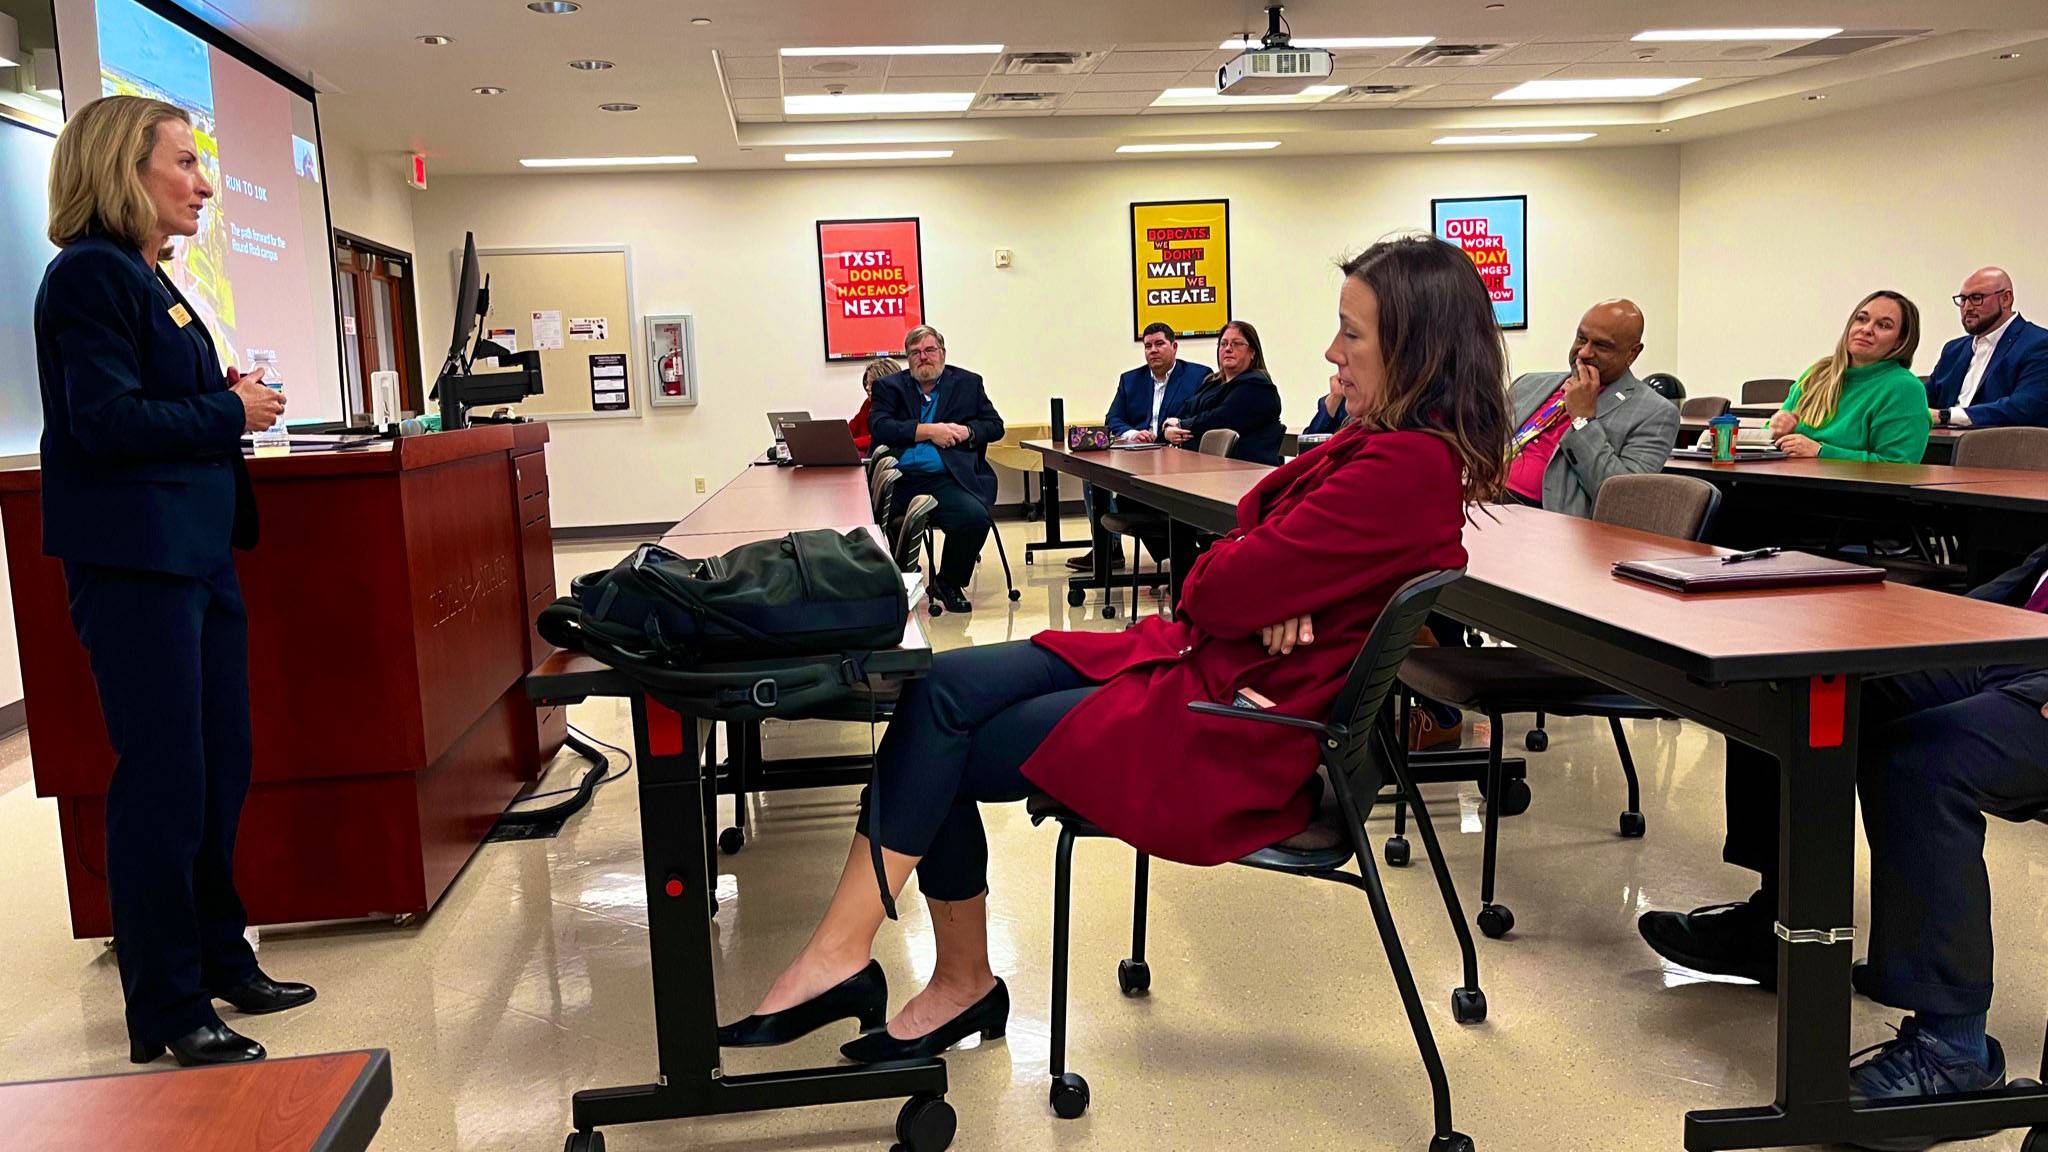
[[24, 252], [260, 272]]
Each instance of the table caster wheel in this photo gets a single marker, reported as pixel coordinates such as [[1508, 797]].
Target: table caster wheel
[[935, 609], [1468, 1005], [1076, 598], [1069, 1096], [1496, 921], [1537, 740], [1397, 852], [1133, 977], [584, 1142], [926, 1124], [1515, 797], [1455, 1142], [731, 841], [1632, 825], [1109, 611], [1015, 595]]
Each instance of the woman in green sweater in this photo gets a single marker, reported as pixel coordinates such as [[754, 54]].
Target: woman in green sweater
[[1863, 402]]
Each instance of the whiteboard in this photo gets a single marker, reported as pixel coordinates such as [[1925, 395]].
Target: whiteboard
[[25, 251]]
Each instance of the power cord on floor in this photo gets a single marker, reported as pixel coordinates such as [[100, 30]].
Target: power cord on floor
[[599, 775]]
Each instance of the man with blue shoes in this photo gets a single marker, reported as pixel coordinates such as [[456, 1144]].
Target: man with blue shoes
[[1997, 374], [1145, 397]]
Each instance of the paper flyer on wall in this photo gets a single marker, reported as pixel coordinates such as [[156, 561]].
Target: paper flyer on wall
[[587, 328], [608, 382], [547, 331]]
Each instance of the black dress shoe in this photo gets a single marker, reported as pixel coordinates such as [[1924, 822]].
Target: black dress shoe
[[1721, 939], [1085, 562], [211, 1044], [863, 996], [260, 995], [952, 597], [989, 1016]]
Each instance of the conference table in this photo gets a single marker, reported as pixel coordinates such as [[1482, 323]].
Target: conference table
[[1941, 442], [329, 1103], [1781, 670]]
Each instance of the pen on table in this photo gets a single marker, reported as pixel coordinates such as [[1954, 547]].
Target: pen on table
[[1757, 554]]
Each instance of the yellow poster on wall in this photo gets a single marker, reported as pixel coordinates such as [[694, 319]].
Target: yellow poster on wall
[[1180, 270]]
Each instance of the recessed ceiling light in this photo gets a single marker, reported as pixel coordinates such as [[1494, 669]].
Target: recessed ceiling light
[[829, 157], [1595, 89], [1210, 98], [1519, 138], [1817, 96], [701, 21], [618, 107], [489, 90], [1695, 34], [435, 40], [1214, 146], [591, 65], [1495, 7], [2008, 55], [1246, 44], [1660, 131], [901, 50], [554, 7], [607, 161], [876, 102]]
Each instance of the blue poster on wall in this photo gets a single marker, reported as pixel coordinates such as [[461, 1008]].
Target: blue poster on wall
[[1493, 231]]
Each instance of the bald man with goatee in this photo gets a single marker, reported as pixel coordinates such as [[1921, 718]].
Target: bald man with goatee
[[1576, 429], [1996, 374]]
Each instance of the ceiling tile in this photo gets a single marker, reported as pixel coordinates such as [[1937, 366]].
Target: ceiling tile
[[755, 89], [752, 107], [1153, 82], [836, 67], [1570, 53], [793, 86], [1464, 93], [935, 83], [1126, 61], [1031, 83], [939, 65], [1476, 73], [751, 67], [999, 113], [1107, 101]]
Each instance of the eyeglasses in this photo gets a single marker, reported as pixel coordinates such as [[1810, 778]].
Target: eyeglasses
[[1232, 344], [1976, 298], [926, 353]]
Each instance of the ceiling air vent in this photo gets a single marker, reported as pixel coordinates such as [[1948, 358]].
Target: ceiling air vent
[[1453, 55], [1371, 94], [1015, 101], [1048, 63], [1849, 43]]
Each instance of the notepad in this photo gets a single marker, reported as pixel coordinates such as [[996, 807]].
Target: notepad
[[1713, 574]]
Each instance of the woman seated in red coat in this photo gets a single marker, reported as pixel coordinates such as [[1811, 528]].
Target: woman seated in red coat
[[1099, 721], [863, 436]]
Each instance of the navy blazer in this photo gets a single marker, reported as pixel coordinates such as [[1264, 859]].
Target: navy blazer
[[1132, 408], [962, 400], [2015, 588], [1323, 423], [2015, 385], [142, 460], [1250, 404]]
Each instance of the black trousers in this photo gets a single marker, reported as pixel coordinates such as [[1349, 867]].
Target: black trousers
[[957, 740], [1936, 750], [1099, 502], [961, 516], [170, 655]]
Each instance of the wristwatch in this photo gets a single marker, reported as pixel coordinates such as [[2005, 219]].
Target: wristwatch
[[1945, 416], [1579, 423]]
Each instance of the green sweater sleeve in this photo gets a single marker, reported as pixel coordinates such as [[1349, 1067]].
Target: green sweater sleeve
[[1898, 425]]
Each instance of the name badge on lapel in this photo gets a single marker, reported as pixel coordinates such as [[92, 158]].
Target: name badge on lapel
[[179, 316]]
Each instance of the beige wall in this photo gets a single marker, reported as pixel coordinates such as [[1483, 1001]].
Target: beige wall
[[1782, 231], [367, 195], [739, 251]]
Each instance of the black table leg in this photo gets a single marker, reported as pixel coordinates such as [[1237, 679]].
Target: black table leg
[[1180, 547], [1049, 496]]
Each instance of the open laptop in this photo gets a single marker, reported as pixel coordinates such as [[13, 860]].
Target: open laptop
[[820, 442], [777, 421]]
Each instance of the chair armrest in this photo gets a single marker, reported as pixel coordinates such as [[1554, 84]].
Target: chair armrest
[[1231, 713]]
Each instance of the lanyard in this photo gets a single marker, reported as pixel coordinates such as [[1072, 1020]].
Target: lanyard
[[1537, 424]]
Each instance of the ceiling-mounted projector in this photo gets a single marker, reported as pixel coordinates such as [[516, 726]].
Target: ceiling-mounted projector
[[1276, 67]]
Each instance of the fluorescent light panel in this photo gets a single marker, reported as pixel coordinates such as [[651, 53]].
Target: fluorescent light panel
[[1595, 89], [1214, 146], [901, 50], [1687, 35], [607, 161], [860, 104], [1245, 44], [827, 157], [1210, 98], [1519, 138]]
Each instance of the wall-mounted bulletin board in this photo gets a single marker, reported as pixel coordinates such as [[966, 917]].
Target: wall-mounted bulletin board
[[574, 304]]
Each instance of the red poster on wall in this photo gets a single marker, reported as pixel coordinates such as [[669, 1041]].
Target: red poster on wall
[[871, 282]]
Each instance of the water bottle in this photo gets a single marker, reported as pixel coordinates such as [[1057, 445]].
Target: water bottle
[[266, 359]]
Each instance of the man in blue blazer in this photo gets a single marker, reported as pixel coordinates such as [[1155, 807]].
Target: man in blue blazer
[[943, 415], [1145, 397], [1996, 375]]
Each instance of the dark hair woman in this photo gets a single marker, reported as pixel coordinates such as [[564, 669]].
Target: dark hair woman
[[1239, 395], [1098, 720]]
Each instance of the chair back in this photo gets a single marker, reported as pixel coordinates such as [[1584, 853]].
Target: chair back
[[1355, 766], [910, 533], [1703, 408], [885, 490], [1769, 390], [1218, 442], [2003, 448], [876, 470], [1666, 504]]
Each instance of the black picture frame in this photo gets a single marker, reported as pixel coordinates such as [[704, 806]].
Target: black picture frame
[[1521, 200], [1137, 330], [825, 303]]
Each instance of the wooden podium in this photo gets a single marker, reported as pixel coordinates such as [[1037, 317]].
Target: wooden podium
[[391, 604]]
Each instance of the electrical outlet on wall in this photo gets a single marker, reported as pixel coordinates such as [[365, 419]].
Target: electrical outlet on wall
[[1002, 257], [700, 485]]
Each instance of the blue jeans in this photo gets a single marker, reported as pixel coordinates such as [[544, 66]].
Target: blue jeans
[[958, 739]]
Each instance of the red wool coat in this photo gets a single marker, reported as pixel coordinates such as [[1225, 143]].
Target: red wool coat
[[1331, 534]]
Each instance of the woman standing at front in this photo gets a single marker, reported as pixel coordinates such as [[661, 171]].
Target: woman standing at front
[[144, 493]]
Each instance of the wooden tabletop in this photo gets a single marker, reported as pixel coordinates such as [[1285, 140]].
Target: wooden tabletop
[[796, 498], [700, 545], [2029, 493], [1225, 488], [330, 1103], [1846, 474], [1146, 461], [795, 476]]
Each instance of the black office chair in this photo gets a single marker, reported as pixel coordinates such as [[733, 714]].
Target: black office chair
[[1503, 681], [1142, 523], [1666, 385], [1767, 390], [1358, 749]]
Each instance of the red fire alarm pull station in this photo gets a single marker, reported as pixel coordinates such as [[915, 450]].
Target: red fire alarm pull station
[[417, 176]]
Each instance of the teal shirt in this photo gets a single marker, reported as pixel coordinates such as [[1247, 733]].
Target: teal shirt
[[1882, 415]]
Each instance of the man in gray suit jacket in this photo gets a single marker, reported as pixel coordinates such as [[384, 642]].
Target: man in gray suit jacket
[[1576, 429]]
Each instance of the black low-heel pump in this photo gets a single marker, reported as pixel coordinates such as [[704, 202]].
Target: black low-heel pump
[[989, 1016], [211, 1044], [863, 996]]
